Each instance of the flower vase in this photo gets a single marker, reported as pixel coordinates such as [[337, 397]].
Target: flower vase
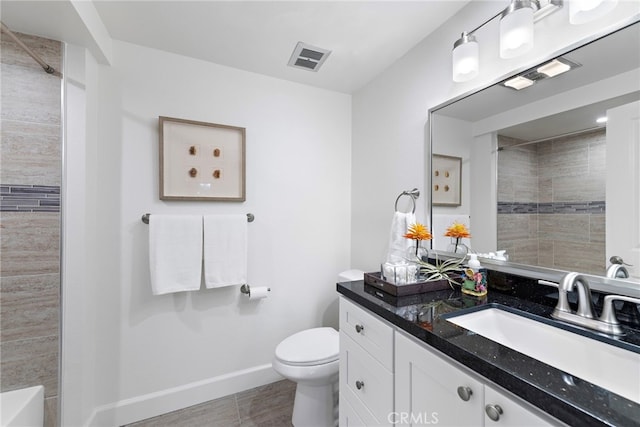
[[456, 246], [417, 252]]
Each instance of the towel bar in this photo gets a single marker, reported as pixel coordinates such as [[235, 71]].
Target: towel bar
[[145, 217]]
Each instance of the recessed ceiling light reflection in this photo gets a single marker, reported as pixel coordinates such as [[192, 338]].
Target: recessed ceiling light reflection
[[518, 83], [553, 68]]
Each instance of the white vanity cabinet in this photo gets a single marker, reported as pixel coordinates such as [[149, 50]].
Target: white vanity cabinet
[[514, 413], [388, 377], [431, 390], [366, 368], [427, 389]]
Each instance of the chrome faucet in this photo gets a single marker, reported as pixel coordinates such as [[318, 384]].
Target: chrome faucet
[[617, 269], [608, 316], [585, 315], [585, 305]]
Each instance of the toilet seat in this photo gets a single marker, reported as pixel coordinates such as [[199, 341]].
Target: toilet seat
[[309, 347]]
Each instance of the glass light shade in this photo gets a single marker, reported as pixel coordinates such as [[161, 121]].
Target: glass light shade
[[582, 11], [465, 58], [516, 32]]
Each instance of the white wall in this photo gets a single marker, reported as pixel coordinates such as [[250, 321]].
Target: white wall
[[390, 113], [484, 193], [154, 354], [452, 137], [79, 238]]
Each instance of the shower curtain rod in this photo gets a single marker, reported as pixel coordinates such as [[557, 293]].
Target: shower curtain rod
[[47, 68], [549, 138]]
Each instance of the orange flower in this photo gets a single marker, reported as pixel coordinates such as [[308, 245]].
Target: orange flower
[[457, 230], [418, 231]]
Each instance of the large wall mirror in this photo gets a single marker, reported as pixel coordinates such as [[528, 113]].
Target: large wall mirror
[[541, 177]]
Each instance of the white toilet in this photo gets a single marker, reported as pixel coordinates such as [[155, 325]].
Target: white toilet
[[310, 358]]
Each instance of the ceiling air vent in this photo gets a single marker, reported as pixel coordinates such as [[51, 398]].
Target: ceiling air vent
[[308, 57]]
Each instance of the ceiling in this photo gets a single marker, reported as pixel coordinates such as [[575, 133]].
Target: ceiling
[[364, 37]]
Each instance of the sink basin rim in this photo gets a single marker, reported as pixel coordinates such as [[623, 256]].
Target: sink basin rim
[[555, 347]]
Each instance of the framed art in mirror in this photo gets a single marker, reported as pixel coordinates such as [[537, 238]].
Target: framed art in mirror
[[446, 180], [201, 161]]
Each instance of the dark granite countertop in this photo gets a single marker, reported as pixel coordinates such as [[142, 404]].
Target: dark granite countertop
[[565, 397]]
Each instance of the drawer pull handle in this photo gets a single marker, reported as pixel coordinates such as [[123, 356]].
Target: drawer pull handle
[[465, 393], [493, 412], [359, 328], [359, 385]]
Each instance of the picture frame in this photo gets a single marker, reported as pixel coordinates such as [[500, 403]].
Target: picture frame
[[446, 180], [201, 161]]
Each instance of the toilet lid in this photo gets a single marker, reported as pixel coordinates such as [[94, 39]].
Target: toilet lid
[[310, 347]]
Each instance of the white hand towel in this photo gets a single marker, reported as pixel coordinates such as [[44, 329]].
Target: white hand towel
[[225, 250], [175, 253], [399, 245]]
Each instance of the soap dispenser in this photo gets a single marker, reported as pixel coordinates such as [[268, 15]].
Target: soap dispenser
[[475, 279], [473, 261]]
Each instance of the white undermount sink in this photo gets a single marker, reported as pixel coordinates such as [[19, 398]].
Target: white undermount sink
[[608, 366]]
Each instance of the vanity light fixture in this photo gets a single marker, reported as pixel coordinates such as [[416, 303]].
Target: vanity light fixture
[[516, 35], [582, 11], [601, 119]]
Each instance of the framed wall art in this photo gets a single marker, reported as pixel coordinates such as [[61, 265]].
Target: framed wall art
[[446, 178], [201, 161]]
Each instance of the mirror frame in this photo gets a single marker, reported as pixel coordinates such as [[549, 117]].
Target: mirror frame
[[629, 287]]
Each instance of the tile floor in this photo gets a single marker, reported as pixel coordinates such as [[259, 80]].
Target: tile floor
[[267, 406]]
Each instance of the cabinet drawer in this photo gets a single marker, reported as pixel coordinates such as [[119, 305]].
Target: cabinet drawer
[[513, 411], [350, 417], [364, 380], [426, 389], [375, 336]]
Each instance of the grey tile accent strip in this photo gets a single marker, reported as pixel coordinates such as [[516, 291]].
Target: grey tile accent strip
[[29, 198], [593, 207], [517, 208]]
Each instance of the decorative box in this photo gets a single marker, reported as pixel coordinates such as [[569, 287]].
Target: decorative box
[[406, 300], [376, 281]]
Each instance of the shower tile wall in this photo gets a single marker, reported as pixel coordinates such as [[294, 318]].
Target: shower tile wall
[[551, 202], [518, 201], [30, 171]]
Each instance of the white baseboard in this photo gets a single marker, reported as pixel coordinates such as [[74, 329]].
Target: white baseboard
[[161, 402]]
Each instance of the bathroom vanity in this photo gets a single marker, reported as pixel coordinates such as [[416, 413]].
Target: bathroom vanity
[[407, 363]]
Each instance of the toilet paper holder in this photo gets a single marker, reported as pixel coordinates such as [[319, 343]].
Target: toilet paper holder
[[246, 289]]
